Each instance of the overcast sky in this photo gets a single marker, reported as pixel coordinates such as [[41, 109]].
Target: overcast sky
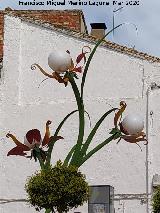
[[145, 16]]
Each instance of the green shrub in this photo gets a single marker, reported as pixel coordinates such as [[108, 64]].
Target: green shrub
[[61, 188], [156, 200]]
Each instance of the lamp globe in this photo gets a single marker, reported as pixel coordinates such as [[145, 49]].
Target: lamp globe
[[133, 124], [59, 61]]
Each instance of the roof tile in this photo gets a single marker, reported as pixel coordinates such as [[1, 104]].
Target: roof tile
[[68, 19], [107, 44]]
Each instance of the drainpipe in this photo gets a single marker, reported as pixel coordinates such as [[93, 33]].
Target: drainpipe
[[147, 137], [153, 86]]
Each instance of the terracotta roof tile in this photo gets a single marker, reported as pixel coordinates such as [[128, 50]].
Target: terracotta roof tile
[[67, 19], [106, 44]]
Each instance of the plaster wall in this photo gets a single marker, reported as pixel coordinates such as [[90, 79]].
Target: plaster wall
[[26, 104]]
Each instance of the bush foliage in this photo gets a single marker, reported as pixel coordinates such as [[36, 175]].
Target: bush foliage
[[61, 188], [156, 200]]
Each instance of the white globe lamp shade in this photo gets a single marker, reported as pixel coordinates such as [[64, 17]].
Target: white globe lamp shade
[[59, 61], [133, 124]]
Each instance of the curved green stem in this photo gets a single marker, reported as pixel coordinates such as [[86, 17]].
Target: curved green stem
[[88, 118], [97, 148], [69, 156], [81, 110], [63, 121], [94, 130], [41, 162], [91, 56], [48, 159], [76, 154]]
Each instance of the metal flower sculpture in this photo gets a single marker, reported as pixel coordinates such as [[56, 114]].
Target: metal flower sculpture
[[130, 128], [62, 64], [66, 72], [32, 142]]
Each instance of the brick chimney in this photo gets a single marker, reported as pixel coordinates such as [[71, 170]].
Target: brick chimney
[[98, 29]]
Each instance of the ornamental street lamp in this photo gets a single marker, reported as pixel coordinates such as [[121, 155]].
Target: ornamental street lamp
[[59, 61], [133, 124], [65, 71]]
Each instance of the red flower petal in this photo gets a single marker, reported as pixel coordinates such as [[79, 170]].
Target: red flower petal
[[119, 113], [19, 150], [134, 139], [77, 69], [80, 57], [33, 135], [47, 134]]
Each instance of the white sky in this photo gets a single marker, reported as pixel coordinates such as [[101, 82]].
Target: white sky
[[146, 17]]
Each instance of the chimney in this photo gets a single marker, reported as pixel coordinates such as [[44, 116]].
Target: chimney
[[98, 29]]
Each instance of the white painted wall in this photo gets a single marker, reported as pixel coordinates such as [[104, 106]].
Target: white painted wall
[[24, 105]]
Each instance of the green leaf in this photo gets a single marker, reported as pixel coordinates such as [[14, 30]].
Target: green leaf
[[94, 130], [117, 135], [34, 154], [96, 149], [115, 130], [63, 121], [88, 118], [69, 155], [79, 100], [56, 133]]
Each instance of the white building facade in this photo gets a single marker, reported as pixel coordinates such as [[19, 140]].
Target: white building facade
[[115, 74]]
